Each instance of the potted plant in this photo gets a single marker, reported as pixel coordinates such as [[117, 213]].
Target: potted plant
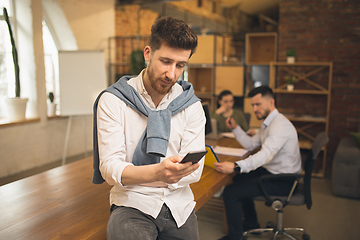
[[137, 62], [290, 82], [290, 55], [51, 105], [16, 106]]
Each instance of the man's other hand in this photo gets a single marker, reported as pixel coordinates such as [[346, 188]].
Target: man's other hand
[[251, 132], [225, 167], [230, 123]]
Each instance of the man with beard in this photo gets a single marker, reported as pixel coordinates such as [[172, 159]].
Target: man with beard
[[143, 126], [279, 153]]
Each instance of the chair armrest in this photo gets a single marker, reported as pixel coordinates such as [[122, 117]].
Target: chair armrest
[[287, 176]]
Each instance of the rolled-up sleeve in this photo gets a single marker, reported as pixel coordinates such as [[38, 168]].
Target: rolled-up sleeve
[[111, 139]]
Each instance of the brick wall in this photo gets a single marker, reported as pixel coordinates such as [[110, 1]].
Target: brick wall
[[327, 30], [132, 20]]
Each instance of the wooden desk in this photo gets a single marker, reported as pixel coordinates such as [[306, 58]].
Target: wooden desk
[[62, 203], [212, 181]]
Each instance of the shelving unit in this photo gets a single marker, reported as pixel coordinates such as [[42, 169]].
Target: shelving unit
[[213, 68], [260, 50], [201, 77], [313, 82]]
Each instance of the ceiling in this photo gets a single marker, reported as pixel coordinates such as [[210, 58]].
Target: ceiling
[[251, 7]]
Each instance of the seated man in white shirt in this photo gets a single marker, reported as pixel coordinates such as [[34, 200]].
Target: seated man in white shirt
[[279, 153], [144, 125]]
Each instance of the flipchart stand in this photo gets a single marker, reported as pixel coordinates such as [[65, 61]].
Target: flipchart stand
[[67, 135]]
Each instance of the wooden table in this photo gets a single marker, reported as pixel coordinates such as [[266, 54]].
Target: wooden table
[[62, 203], [212, 181]]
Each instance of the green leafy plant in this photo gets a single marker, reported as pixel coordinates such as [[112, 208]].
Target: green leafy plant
[[137, 62], [14, 54], [51, 97], [290, 79], [290, 52]]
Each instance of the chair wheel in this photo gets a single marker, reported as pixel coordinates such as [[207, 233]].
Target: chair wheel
[[306, 236]]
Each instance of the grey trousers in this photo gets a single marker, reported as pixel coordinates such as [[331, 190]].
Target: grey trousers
[[131, 224]]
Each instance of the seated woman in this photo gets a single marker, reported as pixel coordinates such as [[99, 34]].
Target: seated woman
[[226, 110]]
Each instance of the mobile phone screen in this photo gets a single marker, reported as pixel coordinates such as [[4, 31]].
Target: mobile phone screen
[[193, 157]]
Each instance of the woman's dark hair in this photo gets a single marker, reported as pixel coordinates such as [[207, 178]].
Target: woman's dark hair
[[173, 33], [223, 94]]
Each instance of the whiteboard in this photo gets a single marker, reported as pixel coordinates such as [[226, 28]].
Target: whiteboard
[[82, 77]]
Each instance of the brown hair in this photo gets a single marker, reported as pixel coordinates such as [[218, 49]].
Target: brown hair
[[173, 33]]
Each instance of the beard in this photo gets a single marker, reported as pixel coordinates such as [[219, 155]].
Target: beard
[[263, 116], [156, 83]]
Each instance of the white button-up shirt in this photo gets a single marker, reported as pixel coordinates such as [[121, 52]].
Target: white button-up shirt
[[119, 131], [278, 139]]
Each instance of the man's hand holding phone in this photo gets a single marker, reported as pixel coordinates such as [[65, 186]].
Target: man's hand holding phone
[[170, 171]]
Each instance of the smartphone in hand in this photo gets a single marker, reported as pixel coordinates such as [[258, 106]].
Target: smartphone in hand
[[193, 157]]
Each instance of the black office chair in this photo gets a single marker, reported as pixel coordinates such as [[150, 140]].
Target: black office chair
[[300, 193]]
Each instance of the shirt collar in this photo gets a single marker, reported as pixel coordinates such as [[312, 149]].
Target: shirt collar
[[270, 118], [139, 84]]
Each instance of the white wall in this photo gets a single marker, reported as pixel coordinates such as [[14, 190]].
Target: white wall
[[29, 145]]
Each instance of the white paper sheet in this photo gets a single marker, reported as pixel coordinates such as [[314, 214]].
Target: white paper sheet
[[230, 151], [227, 134]]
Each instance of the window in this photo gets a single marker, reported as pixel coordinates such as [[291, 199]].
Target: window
[[51, 61], [7, 76]]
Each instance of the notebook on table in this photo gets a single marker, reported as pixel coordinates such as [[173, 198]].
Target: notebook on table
[[210, 157]]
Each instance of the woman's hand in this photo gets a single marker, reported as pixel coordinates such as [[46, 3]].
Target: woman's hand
[[222, 109]]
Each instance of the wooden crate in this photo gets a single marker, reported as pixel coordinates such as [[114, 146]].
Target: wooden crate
[[207, 50], [230, 78], [201, 78], [260, 48]]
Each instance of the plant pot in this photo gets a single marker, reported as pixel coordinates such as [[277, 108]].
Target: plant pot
[[290, 59], [51, 109], [290, 87], [16, 108]]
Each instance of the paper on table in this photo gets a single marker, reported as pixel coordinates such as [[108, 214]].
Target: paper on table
[[227, 134], [230, 151]]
